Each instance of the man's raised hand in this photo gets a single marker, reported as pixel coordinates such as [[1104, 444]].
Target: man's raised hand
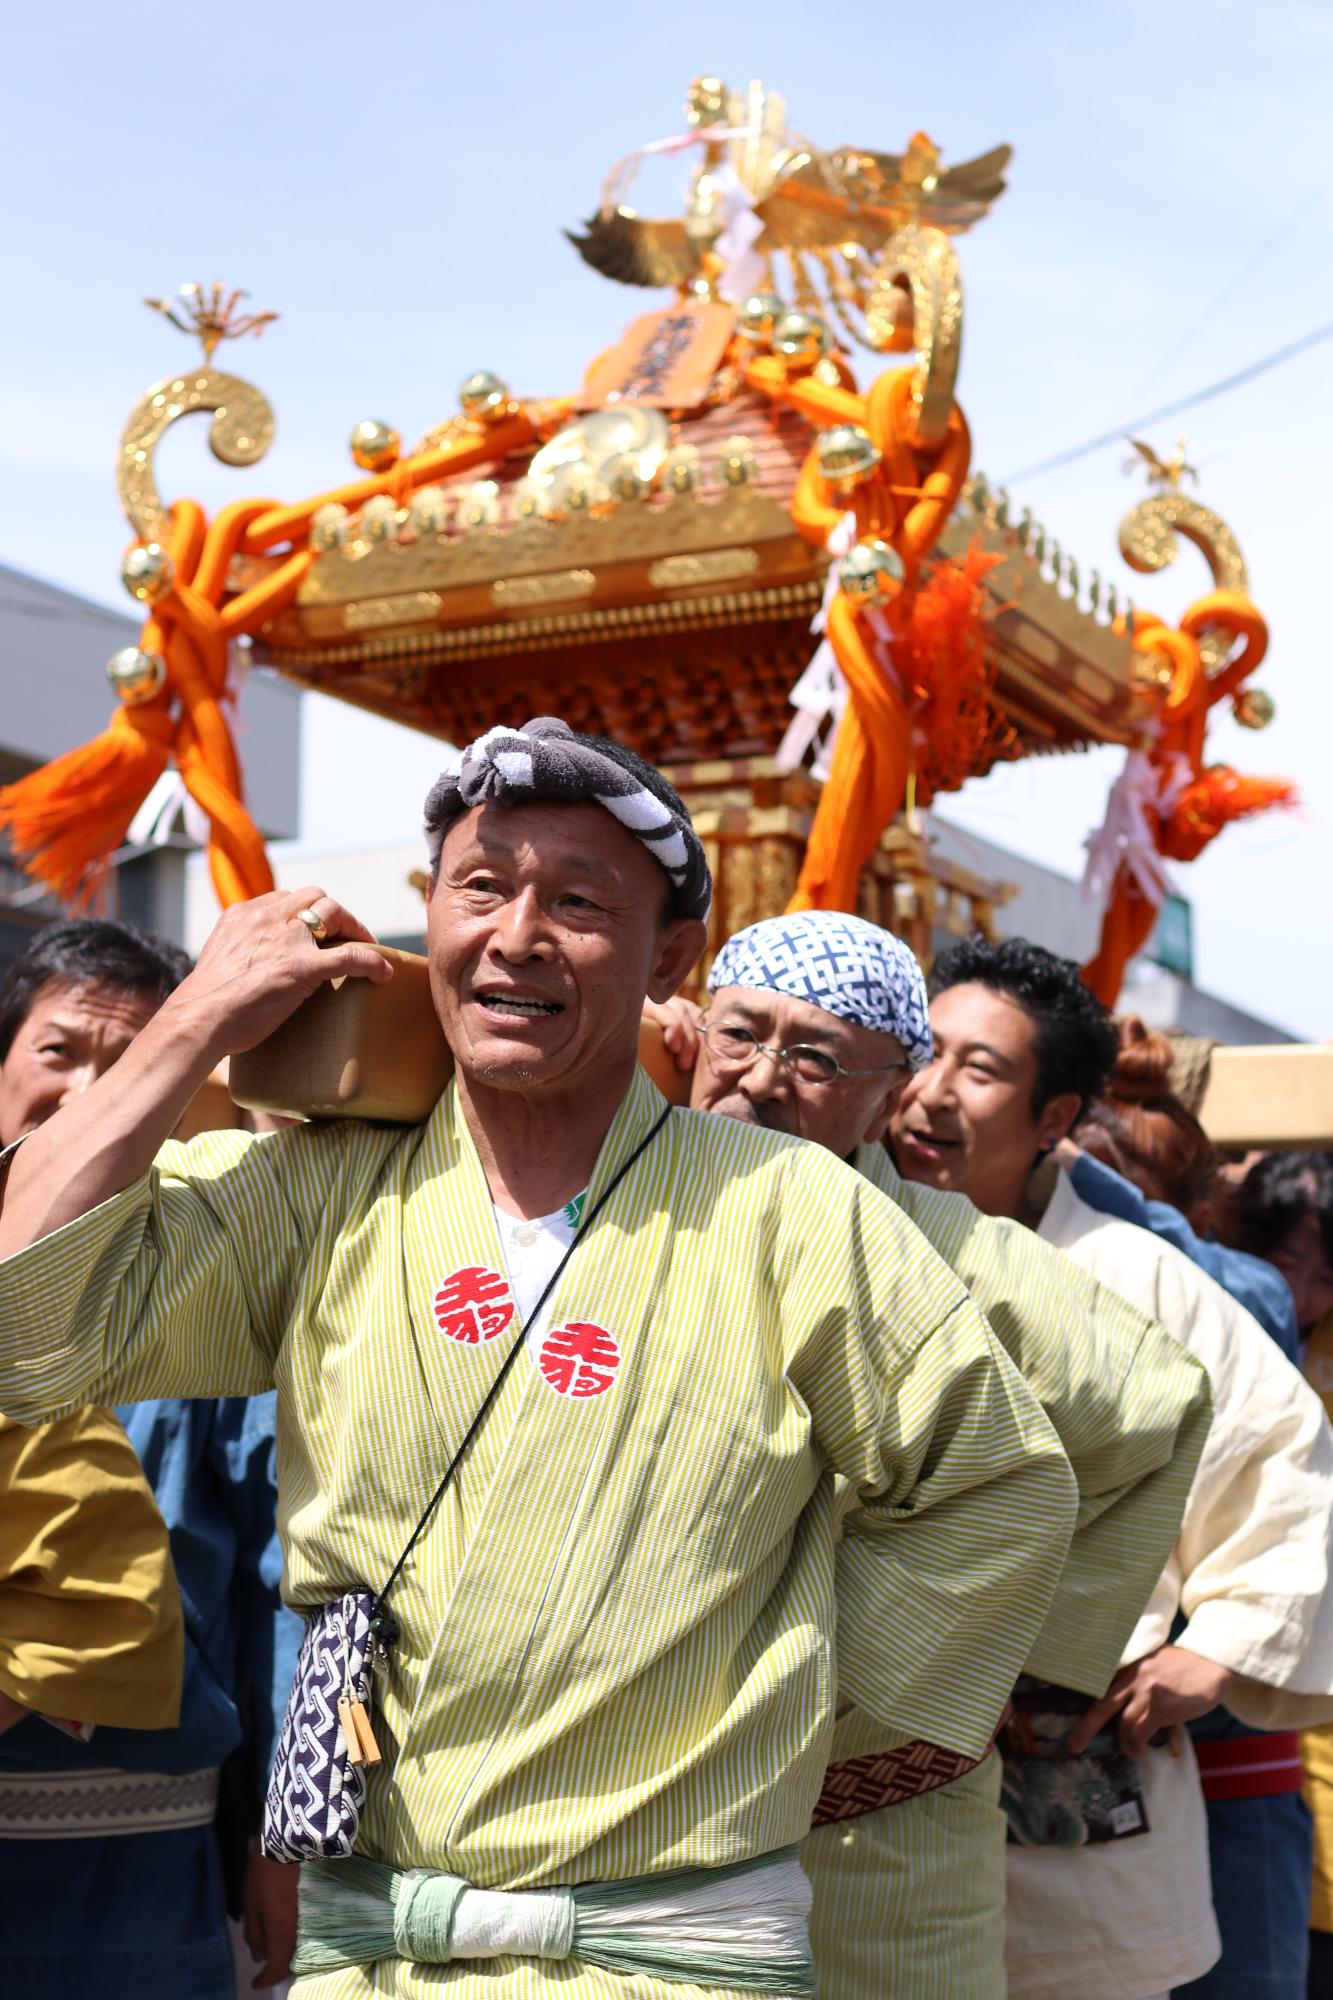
[[262, 960]]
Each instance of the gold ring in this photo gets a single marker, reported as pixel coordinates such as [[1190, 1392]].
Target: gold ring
[[314, 923]]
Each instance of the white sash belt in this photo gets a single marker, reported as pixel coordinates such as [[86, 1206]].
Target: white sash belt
[[82, 1805]]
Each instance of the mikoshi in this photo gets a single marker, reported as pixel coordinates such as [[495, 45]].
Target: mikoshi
[[791, 591]]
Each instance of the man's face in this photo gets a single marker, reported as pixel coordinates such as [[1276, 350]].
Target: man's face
[[545, 931], [839, 1114], [1303, 1262], [966, 1120], [69, 1037]]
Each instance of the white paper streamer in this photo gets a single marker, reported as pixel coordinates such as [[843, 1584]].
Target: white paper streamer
[[1125, 837], [820, 695]]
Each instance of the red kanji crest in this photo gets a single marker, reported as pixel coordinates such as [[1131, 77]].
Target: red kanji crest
[[473, 1304], [579, 1359]]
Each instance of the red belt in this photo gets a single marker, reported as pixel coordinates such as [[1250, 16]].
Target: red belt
[[864, 1784], [1251, 1767]]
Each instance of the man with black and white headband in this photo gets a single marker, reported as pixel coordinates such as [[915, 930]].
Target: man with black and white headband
[[608, 1652]]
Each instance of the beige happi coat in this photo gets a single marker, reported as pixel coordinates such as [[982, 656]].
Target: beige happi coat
[[616, 1651], [1249, 1574], [910, 1899]]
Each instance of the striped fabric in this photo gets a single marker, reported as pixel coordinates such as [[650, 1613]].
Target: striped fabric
[[616, 1635], [910, 1899], [909, 1902], [1249, 1573], [1132, 1408]]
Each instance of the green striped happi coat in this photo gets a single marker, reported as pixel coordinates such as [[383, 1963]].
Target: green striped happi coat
[[910, 1900], [617, 1634]]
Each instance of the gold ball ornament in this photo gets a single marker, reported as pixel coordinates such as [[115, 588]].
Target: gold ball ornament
[[758, 317], [847, 455], [681, 471], [801, 338], [623, 477], [485, 397], [379, 519], [706, 101], [481, 504], [147, 572], [375, 446], [736, 462], [429, 510], [135, 675], [530, 497], [867, 568], [328, 527], [1254, 708]]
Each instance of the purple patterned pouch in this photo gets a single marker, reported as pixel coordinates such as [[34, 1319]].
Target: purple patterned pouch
[[315, 1792]]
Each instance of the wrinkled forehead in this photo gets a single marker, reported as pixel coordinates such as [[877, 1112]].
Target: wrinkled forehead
[[90, 1007], [539, 827], [766, 1008], [543, 836]]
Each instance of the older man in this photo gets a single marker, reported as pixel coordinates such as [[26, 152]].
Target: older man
[[121, 1855], [1242, 1615], [609, 1649], [815, 1022]]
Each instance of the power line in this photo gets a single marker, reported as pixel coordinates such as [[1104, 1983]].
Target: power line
[[1135, 424], [1233, 289]]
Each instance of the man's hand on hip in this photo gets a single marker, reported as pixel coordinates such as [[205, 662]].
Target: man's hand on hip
[[1168, 1687]]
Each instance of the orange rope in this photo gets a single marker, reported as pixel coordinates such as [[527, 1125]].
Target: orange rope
[[1213, 797], [868, 778], [68, 818], [905, 501]]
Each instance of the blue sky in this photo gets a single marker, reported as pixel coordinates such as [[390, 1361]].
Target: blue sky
[[394, 182]]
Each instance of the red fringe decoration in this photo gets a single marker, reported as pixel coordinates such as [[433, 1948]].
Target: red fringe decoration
[[1213, 800], [948, 676]]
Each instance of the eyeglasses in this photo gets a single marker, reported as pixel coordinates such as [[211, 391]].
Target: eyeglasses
[[731, 1047]]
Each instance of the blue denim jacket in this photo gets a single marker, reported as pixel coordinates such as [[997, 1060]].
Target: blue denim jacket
[[1264, 1292]]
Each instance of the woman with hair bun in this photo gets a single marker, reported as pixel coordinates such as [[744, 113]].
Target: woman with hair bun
[[1140, 1154]]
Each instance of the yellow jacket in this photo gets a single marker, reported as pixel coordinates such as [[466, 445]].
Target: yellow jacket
[[90, 1617]]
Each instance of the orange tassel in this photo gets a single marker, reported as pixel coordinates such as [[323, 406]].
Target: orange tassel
[[944, 661], [65, 819], [1213, 800]]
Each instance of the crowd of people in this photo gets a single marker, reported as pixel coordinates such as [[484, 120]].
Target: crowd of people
[[859, 1524]]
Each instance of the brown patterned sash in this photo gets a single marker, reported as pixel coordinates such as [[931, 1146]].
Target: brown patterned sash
[[863, 1784]]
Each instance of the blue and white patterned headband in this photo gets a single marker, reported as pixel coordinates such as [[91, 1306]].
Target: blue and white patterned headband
[[841, 963], [546, 760]]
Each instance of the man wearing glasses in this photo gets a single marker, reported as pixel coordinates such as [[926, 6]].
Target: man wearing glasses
[[815, 1023]]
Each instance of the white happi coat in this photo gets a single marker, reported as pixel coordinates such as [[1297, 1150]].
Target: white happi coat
[[1249, 1574]]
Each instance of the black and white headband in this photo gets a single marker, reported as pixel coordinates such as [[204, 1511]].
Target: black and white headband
[[546, 760]]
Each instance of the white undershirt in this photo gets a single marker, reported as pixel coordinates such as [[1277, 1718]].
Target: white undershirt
[[532, 1249]]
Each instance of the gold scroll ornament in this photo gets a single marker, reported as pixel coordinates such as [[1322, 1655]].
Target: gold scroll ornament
[[924, 258], [1149, 540], [240, 434]]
